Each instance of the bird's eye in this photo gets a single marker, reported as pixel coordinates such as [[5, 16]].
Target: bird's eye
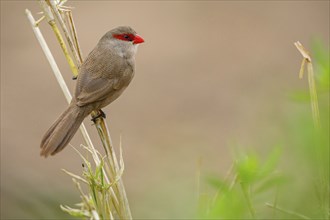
[[124, 37]]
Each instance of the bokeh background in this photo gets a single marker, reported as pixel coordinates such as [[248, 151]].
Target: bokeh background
[[211, 74]]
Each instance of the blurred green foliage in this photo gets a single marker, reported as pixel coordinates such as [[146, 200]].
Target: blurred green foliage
[[292, 182], [321, 61]]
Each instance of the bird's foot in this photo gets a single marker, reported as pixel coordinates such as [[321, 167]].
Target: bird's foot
[[99, 114]]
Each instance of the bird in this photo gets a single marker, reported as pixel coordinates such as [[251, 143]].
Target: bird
[[102, 78]]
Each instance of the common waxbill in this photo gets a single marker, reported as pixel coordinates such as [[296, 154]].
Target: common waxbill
[[104, 75]]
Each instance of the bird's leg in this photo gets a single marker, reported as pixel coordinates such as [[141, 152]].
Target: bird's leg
[[102, 114], [99, 114]]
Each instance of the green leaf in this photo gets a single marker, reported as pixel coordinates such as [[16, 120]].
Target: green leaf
[[75, 176], [271, 162], [228, 205], [75, 212], [322, 66], [247, 169]]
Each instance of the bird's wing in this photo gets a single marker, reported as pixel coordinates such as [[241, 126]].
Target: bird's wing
[[95, 90], [98, 77]]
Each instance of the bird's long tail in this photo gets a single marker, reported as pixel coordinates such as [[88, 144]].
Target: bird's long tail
[[63, 129]]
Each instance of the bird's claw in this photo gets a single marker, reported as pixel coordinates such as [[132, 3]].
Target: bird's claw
[[100, 114]]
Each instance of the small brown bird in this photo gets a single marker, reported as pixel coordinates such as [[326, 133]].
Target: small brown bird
[[102, 78]]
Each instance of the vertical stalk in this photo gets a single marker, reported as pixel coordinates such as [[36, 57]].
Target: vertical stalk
[[311, 83], [74, 33], [246, 192], [51, 21], [54, 7]]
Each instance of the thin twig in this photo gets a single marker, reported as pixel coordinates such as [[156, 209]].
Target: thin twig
[[276, 198], [226, 180], [54, 7], [198, 177], [307, 60], [246, 192], [287, 211], [74, 33], [51, 21]]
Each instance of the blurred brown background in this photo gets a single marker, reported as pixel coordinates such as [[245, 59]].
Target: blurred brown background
[[210, 75]]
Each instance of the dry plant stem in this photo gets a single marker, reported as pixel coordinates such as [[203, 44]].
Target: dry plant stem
[[233, 182], [198, 177], [51, 21], [247, 195], [226, 179], [295, 214], [114, 169], [313, 94], [311, 82], [54, 7], [74, 33], [276, 199]]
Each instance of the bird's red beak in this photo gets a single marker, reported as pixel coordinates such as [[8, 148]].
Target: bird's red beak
[[138, 39]]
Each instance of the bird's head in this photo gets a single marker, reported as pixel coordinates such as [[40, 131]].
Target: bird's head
[[123, 39], [125, 33]]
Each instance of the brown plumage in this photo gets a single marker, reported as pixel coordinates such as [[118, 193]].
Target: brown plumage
[[104, 75]]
